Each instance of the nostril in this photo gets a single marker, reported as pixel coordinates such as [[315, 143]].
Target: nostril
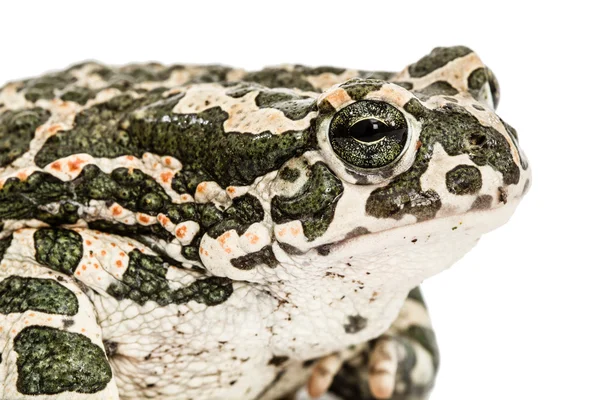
[[477, 139]]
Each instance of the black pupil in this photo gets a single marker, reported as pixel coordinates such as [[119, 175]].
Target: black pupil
[[369, 130]]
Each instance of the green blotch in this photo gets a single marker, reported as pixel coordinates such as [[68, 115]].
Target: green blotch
[[145, 280], [46, 86], [20, 199], [19, 294], [98, 131], [4, 245], [59, 249], [52, 361], [249, 261], [358, 88], [244, 211], [483, 202], [438, 88], [426, 338], [78, 94], [314, 204], [463, 179], [478, 79], [438, 57], [17, 129], [200, 143], [289, 174], [416, 295], [283, 78], [131, 188], [292, 105]]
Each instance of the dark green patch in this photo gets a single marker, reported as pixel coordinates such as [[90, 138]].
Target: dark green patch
[[438, 57], [289, 174], [78, 94], [200, 143], [314, 204], [463, 179], [46, 86], [483, 202], [438, 88], [291, 78], [19, 294], [145, 280], [358, 88], [244, 211], [98, 131], [477, 81], [59, 249], [283, 78], [356, 323], [52, 361], [405, 85], [17, 129], [416, 295], [249, 261], [292, 105], [131, 188], [4, 245], [512, 132], [426, 338]]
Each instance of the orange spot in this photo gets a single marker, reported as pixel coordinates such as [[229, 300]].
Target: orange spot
[[282, 232], [168, 161], [49, 319], [83, 267], [75, 165], [88, 242], [82, 329], [163, 219], [54, 128], [119, 263], [22, 176], [295, 231], [252, 238], [231, 190], [78, 272], [122, 254], [201, 187], [117, 210], [166, 176], [113, 244], [228, 250], [56, 165], [130, 158], [32, 315], [99, 278], [181, 231], [103, 252], [419, 144], [223, 238], [96, 266], [144, 219], [14, 331]]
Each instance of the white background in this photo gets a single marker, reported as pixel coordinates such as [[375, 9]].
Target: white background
[[517, 318]]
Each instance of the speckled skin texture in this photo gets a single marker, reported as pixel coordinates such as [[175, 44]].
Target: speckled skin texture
[[203, 232]]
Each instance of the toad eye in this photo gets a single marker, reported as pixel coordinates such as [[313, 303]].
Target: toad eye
[[368, 134]]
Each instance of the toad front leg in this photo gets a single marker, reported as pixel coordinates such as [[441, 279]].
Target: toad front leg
[[401, 364], [50, 343]]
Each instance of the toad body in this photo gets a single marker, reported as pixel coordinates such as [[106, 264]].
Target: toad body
[[207, 233]]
